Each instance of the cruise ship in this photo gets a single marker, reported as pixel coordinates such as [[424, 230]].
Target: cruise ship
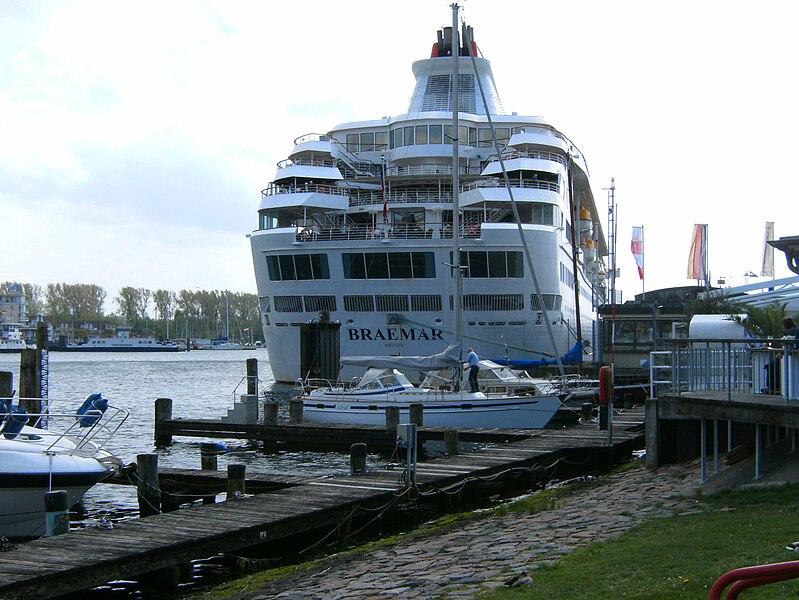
[[357, 227]]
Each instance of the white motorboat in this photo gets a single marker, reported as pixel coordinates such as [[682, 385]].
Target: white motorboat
[[365, 400], [68, 454]]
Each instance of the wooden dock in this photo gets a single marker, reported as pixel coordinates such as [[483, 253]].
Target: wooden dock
[[49, 567]]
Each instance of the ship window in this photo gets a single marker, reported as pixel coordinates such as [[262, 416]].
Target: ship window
[[304, 267], [435, 134], [377, 265], [543, 214], [318, 303], [288, 304], [408, 140], [503, 136], [367, 142], [399, 265], [421, 134], [392, 265], [472, 136], [396, 138], [493, 264], [353, 144], [485, 139], [359, 303], [431, 303], [381, 140], [266, 307], [287, 270]]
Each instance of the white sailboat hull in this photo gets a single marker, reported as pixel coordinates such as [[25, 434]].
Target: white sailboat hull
[[469, 411]]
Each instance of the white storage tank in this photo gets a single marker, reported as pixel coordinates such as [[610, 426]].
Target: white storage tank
[[717, 327]]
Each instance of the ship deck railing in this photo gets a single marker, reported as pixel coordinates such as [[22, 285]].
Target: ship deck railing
[[427, 230]]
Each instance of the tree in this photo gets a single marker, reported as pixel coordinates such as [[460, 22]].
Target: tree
[[765, 321], [127, 301], [71, 301]]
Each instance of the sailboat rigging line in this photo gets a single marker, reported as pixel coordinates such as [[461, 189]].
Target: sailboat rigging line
[[456, 258], [515, 208]]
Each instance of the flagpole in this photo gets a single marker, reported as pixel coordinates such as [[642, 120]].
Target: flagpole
[[643, 267]]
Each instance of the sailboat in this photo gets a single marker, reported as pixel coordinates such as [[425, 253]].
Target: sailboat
[[385, 384]]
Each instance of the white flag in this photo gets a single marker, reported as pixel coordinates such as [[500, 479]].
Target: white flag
[[767, 270]]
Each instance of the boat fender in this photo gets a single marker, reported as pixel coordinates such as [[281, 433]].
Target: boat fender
[[605, 385], [92, 410], [5, 408], [16, 419]]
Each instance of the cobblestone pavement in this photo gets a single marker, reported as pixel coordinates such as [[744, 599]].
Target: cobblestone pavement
[[480, 554]]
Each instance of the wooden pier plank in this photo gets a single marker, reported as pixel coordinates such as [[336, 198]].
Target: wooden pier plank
[[53, 566]]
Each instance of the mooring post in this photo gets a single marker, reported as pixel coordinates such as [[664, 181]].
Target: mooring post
[[270, 413], [148, 490], [628, 401], [235, 481], [603, 417], [357, 458], [392, 419], [417, 414], [6, 384], [163, 413], [295, 410], [56, 507], [451, 442], [30, 382], [252, 376], [208, 456], [586, 412]]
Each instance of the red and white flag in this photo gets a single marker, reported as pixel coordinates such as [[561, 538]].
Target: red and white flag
[[637, 246]]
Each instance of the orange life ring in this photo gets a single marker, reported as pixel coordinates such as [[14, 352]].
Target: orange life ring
[[605, 385]]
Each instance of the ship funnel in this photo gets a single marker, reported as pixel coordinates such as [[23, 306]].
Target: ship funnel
[[434, 79]]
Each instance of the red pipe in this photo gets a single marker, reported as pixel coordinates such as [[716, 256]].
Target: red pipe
[[746, 577]]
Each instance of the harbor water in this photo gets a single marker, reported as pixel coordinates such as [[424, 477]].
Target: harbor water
[[201, 384]]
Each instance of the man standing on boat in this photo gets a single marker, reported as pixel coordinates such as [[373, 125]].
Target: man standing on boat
[[474, 366]]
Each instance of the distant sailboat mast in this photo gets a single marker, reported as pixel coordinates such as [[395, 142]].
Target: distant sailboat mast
[[456, 255]]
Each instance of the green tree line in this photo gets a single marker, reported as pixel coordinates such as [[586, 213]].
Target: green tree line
[[187, 313]]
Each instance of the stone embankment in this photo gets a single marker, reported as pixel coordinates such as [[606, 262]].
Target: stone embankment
[[483, 552]]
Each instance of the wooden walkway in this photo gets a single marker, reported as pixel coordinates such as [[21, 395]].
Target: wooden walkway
[[49, 567]]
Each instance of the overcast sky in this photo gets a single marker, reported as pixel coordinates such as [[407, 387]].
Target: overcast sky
[[135, 137]]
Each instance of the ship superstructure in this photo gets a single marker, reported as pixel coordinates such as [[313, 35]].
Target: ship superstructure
[[357, 227]]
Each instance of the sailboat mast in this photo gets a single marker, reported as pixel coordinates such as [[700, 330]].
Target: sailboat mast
[[456, 229]]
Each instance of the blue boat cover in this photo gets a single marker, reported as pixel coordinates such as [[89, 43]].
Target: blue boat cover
[[573, 356]]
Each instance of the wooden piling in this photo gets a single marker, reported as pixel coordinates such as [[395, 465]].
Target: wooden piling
[[29, 382], [208, 456], [270, 414], [417, 413], [252, 376], [56, 507], [235, 480], [163, 412], [392, 419], [451, 442], [295, 410], [357, 458], [6, 384], [148, 489]]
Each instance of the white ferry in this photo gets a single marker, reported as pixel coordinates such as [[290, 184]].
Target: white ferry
[[122, 342], [358, 223]]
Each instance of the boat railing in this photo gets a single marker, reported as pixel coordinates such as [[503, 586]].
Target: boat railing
[[551, 156], [429, 169], [398, 231], [497, 182], [276, 189], [71, 433], [305, 162], [305, 385]]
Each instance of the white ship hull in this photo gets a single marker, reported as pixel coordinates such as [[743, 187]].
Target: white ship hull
[[338, 240]]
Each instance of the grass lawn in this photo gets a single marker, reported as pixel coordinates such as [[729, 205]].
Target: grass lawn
[[681, 556]]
